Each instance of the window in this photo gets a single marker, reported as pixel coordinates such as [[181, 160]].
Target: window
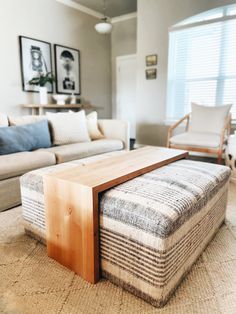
[[202, 62]]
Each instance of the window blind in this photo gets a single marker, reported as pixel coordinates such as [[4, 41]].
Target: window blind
[[202, 67]]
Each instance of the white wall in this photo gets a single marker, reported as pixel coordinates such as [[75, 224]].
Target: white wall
[[123, 42], [154, 19], [54, 22]]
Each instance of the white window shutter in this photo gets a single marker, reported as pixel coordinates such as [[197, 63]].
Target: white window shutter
[[202, 67]]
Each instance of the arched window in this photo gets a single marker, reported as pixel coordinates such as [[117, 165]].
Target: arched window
[[202, 62]]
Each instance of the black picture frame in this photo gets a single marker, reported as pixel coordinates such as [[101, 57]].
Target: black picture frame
[[68, 77], [151, 74], [46, 63]]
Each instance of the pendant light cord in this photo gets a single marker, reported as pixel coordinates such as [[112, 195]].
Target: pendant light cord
[[104, 7]]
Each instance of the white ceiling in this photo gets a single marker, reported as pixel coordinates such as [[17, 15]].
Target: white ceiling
[[113, 7]]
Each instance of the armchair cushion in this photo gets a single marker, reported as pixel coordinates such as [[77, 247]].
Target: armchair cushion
[[208, 119], [196, 139]]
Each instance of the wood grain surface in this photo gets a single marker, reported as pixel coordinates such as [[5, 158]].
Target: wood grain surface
[[71, 200]]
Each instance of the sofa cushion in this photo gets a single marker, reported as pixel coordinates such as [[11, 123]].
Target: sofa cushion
[[208, 119], [68, 128], [92, 123], [10, 193], [3, 120], [19, 163], [28, 119], [70, 152], [196, 139], [22, 138]]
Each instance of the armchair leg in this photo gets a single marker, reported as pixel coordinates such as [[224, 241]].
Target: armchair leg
[[168, 141], [219, 159]]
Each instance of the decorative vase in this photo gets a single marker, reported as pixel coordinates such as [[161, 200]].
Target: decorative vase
[[73, 99], [43, 95]]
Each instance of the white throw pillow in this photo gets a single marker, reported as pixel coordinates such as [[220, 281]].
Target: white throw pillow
[[208, 119], [92, 123], [3, 120], [21, 120], [68, 128]]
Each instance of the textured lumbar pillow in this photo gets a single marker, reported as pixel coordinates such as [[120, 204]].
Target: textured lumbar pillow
[[208, 119], [24, 138], [3, 120], [68, 128], [92, 123]]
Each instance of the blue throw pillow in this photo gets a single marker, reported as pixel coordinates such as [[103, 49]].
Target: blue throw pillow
[[22, 138]]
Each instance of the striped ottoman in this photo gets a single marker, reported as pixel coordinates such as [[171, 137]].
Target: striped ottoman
[[152, 228]]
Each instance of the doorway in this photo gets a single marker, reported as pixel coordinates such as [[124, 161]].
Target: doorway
[[126, 75]]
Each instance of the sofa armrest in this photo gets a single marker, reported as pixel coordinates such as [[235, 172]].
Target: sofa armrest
[[116, 129]]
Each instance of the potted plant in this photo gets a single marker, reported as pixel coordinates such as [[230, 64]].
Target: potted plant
[[41, 81]]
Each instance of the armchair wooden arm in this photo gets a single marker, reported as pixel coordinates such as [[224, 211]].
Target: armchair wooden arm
[[226, 129], [228, 124], [174, 126]]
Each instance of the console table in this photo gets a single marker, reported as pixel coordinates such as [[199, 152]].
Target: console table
[[39, 109], [71, 204]]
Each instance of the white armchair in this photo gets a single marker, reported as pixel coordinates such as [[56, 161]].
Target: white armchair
[[207, 130]]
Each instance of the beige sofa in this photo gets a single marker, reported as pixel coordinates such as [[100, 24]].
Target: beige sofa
[[14, 165]]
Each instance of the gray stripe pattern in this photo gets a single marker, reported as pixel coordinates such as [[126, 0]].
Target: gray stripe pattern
[[183, 187], [159, 269]]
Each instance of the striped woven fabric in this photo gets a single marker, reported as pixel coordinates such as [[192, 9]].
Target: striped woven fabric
[[153, 227]]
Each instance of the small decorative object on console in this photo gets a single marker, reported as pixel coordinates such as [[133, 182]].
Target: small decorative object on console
[[60, 99], [73, 99]]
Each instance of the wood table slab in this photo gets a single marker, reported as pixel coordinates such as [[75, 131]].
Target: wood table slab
[[71, 199]]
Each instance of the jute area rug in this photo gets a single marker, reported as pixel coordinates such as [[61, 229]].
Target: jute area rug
[[30, 282]]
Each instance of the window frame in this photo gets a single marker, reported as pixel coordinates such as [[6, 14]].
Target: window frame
[[182, 26]]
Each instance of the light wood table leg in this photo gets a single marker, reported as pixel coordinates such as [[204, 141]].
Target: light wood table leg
[[72, 227]]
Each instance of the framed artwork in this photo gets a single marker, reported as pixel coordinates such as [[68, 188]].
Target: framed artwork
[[151, 74], [35, 58], [151, 60], [67, 64]]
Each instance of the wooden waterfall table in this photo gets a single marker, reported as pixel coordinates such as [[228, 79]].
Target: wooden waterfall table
[[71, 198]]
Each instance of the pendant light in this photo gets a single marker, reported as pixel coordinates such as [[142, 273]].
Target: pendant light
[[104, 26]]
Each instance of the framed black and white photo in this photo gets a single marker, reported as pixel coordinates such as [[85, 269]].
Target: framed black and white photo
[[67, 64], [36, 59]]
